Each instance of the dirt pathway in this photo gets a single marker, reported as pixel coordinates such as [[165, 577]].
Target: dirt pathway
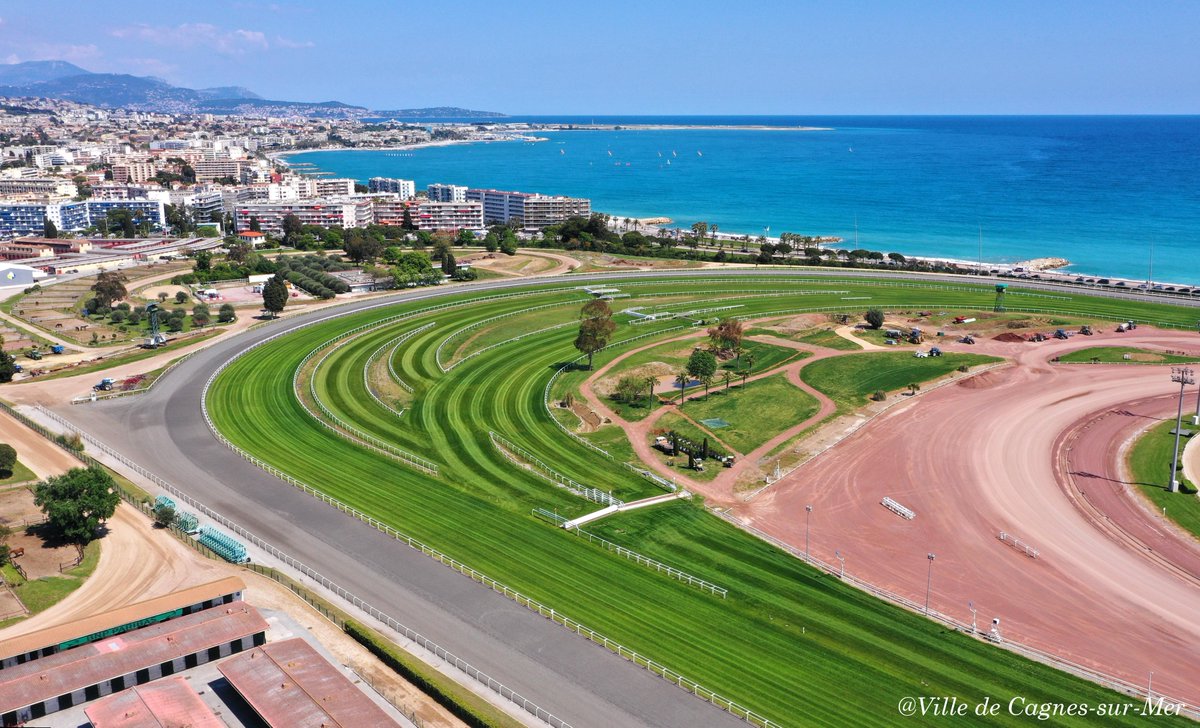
[[37, 453]]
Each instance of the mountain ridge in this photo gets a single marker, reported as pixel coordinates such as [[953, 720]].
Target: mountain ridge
[[66, 81]]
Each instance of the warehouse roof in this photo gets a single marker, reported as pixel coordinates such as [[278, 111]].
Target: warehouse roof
[[169, 702], [70, 670], [58, 634], [289, 684]]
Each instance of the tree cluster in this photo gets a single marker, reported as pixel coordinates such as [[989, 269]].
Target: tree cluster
[[77, 502], [595, 328]]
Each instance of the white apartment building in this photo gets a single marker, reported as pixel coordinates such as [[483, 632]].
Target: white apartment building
[[133, 172], [209, 170], [533, 210], [447, 193], [334, 187], [37, 186], [428, 214], [406, 188], [344, 213]]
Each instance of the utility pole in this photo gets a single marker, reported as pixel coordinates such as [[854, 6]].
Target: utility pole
[[807, 517], [928, 582], [971, 606], [1183, 375], [842, 559]]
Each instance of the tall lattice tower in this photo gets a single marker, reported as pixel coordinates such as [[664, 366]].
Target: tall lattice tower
[[1001, 288]]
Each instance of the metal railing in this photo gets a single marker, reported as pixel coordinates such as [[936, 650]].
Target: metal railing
[[437, 354], [523, 458], [329, 584]]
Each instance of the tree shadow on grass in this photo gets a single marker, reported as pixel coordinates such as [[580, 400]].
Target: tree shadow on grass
[[52, 539]]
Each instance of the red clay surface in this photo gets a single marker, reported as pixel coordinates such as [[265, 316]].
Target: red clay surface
[[1033, 449]]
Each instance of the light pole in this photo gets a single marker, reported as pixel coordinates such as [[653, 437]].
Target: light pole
[[928, 582], [1196, 417], [842, 559], [807, 518], [971, 606], [1183, 375]]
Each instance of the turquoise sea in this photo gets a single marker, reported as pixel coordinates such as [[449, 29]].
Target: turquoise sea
[[1108, 193]]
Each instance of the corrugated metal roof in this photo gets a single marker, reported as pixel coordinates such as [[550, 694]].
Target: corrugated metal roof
[[78, 668], [116, 617], [290, 685], [167, 702]]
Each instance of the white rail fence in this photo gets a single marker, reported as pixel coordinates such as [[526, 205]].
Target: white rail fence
[[329, 584], [437, 354], [635, 557], [526, 460], [1019, 545], [1033, 653]]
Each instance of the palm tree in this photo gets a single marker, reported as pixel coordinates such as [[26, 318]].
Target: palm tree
[[739, 350], [706, 380], [650, 382], [727, 377], [749, 360], [913, 388], [682, 379]]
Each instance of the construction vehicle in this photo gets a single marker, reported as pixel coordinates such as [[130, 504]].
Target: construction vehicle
[[57, 349], [968, 339], [1085, 330], [920, 354], [1060, 334], [156, 337], [934, 351], [1039, 336], [105, 385], [35, 354], [916, 336], [963, 320]]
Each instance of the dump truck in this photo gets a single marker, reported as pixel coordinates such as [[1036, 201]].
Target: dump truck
[[57, 349]]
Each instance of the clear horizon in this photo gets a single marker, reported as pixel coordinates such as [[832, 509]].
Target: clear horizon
[[866, 58]]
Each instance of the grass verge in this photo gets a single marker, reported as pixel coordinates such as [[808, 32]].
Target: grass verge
[[1150, 468]]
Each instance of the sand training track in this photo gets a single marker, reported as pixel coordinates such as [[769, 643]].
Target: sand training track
[[1018, 449]]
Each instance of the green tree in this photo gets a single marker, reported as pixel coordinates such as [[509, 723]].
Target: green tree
[[595, 328], [181, 297], [5, 532], [629, 388], [120, 220], [726, 378], [726, 335], [464, 237], [8, 459], [203, 261], [491, 242], [77, 502], [508, 242], [683, 380], [449, 264], [8, 365], [49, 230], [275, 295], [226, 313], [406, 221], [702, 363], [874, 318], [109, 287], [292, 228], [255, 225], [239, 251], [164, 516]]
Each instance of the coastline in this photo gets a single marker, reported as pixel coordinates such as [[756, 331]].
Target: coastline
[[282, 155], [681, 127]]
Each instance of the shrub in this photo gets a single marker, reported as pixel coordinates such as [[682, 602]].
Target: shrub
[[874, 318], [879, 395], [181, 297], [964, 368], [8, 459]]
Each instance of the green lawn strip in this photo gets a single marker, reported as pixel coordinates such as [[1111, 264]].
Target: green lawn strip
[[503, 329], [827, 338], [39, 595], [848, 380], [19, 474], [128, 358], [477, 512], [1150, 461], [755, 413], [1116, 354]]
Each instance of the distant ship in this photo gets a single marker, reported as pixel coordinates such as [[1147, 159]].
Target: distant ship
[[699, 153]]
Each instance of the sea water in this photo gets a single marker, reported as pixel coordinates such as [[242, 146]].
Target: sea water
[[1114, 195]]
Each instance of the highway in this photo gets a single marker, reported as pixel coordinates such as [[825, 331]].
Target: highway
[[581, 683]]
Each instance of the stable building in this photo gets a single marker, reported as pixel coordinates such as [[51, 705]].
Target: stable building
[[82, 674], [170, 702]]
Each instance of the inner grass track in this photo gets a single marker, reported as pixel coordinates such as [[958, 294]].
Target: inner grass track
[[790, 643]]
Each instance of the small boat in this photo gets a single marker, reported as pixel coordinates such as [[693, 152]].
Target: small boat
[[610, 152], [674, 153], [851, 149], [668, 162], [699, 153], [562, 151]]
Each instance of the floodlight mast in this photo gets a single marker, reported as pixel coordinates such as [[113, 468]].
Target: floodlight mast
[[1183, 375], [928, 581]]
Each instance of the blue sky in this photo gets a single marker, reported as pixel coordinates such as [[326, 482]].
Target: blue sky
[[626, 57]]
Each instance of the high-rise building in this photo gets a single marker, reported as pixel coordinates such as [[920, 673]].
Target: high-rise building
[[447, 193], [406, 188], [533, 210]]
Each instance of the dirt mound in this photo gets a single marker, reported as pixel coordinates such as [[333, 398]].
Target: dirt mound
[[606, 386], [1009, 337], [987, 380], [591, 420]]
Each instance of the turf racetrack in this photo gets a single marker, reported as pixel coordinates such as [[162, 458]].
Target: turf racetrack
[[789, 643]]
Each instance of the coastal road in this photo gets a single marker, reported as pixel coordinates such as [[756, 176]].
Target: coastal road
[[583, 684]]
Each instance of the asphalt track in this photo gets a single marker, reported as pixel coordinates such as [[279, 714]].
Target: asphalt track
[[565, 674]]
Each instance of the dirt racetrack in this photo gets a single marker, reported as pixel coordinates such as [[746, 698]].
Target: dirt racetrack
[[1020, 451]]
